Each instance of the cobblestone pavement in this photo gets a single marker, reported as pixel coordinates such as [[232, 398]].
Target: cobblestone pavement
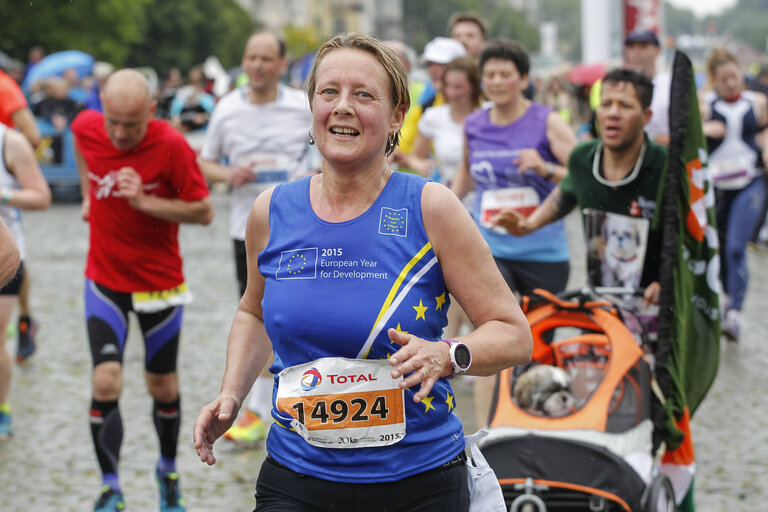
[[49, 464]]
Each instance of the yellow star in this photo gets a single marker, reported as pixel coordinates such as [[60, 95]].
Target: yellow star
[[428, 402], [420, 310], [440, 301], [449, 401], [398, 329]]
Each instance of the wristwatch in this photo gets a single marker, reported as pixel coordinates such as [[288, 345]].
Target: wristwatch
[[461, 357], [551, 170]]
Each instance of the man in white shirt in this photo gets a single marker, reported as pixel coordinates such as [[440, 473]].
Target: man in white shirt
[[641, 52], [257, 137]]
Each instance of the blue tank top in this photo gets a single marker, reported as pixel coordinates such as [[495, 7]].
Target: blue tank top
[[492, 152], [333, 290]]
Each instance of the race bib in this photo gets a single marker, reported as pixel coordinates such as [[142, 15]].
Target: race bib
[[731, 173], [152, 302], [270, 168], [336, 402], [523, 199]]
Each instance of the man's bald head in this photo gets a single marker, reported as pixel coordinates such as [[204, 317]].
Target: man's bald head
[[128, 107], [128, 84], [264, 61], [264, 37]]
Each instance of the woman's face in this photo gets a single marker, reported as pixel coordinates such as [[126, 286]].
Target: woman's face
[[502, 81], [456, 87], [352, 108], [729, 80]]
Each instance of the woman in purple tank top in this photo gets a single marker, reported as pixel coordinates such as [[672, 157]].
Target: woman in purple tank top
[[514, 156]]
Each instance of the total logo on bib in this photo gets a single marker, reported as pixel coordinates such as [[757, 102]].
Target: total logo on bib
[[336, 402], [311, 379]]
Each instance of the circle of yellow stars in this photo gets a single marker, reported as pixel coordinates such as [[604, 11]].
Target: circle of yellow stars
[[301, 264]]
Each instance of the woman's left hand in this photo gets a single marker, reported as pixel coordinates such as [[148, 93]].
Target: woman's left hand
[[419, 361]]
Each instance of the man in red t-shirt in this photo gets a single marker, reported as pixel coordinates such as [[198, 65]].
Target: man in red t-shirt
[[139, 180]]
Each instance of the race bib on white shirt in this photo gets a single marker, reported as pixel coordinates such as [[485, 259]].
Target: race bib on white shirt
[[337, 402], [270, 168], [731, 173], [523, 199]]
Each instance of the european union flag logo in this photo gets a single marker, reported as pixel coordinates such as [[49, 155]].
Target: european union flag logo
[[393, 222], [297, 264]]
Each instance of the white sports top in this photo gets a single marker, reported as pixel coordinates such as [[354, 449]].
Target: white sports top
[[10, 215]]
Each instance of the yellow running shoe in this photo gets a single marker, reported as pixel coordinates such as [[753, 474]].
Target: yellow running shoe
[[248, 431]]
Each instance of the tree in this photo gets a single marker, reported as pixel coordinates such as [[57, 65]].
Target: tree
[[156, 33], [182, 33], [427, 19], [300, 41], [102, 28], [566, 14]]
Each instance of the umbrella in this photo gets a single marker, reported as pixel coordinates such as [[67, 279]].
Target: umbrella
[[57, 63], [586, 74]]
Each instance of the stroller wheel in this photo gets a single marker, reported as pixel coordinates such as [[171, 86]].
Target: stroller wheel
[[659, 496], [528, 503]]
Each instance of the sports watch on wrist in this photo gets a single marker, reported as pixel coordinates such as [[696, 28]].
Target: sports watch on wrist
[[461, 357]]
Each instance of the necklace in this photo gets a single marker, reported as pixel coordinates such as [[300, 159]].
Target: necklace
[[627, 179]]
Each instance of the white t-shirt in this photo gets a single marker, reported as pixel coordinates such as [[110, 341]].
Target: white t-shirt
[[659, 123], [9, 214], [447, 138], [272, 138]]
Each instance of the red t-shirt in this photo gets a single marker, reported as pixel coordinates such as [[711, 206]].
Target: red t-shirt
[[131, 251], [11, 99]]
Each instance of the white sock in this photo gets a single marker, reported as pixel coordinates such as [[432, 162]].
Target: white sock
[[260, 398]]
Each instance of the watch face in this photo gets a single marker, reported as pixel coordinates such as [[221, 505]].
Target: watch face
[[462, 356]]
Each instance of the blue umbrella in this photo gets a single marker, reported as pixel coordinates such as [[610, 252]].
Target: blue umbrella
[[57, 63]]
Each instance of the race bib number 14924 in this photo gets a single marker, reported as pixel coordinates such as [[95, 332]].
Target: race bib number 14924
[[343, 403]]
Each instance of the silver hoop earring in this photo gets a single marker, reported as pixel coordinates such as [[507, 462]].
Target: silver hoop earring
[[311, 138]]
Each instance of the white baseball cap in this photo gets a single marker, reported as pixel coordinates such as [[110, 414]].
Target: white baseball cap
[[442, 50]]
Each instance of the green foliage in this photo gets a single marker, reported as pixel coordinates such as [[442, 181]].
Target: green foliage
[[103, 28], [300, 40], [427, 19], [567, 15], [156, 33], [182, 33], [745, 22], [678, 21]]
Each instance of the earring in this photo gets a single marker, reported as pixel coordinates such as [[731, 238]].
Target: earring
[[390, 144], [311, 138]]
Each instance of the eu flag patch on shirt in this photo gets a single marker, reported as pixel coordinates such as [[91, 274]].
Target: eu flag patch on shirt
[[297, 264], [393, 222]]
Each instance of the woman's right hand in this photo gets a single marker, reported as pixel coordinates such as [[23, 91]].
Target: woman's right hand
[[714, 129], [214, 419], [513, 221]]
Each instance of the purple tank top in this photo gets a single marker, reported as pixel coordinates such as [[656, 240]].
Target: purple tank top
[[493, 150]]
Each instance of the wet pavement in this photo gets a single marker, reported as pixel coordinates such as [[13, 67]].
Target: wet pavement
[[49, 464]]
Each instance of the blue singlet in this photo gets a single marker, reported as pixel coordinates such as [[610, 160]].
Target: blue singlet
[[327, 287]]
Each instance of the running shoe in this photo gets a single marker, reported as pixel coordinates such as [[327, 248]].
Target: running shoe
[[27, 330], [248, 430], [6, 429], [109, 501], [170, 494], [731, 326]]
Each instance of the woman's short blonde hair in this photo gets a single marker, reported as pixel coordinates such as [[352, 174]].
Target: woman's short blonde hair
[[717, 58], [398, 77]]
